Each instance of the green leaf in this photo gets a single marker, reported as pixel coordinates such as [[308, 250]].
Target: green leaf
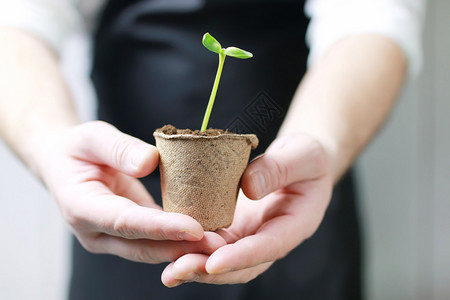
[[211, 43], [236, 52]]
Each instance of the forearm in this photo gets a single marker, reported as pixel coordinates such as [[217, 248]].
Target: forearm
[[344, 99], [33, 96]]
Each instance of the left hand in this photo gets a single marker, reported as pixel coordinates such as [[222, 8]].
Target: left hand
[[293, 182]]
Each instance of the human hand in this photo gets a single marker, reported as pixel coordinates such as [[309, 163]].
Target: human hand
[[294, 185], [91, 170]]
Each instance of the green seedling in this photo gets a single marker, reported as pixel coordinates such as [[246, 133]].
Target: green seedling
[[213, 45]]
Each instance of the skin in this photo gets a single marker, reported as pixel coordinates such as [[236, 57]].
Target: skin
[[339, 106], [91, 168]]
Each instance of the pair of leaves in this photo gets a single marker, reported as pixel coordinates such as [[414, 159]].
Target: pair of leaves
[[213, 45]]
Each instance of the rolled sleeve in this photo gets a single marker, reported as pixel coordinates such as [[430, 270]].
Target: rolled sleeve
[[399, 20], [51, 20]]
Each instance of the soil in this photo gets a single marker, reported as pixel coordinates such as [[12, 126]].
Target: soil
[[172, 130]]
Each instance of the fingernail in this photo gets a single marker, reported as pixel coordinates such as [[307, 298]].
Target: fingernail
[[186, 235], [259, 183]]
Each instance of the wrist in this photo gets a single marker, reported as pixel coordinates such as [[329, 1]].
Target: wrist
[[331, 151]]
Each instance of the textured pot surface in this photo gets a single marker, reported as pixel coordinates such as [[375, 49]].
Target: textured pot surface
[[200, 175]]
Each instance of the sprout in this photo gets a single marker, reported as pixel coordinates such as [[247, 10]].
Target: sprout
[[213, 45]]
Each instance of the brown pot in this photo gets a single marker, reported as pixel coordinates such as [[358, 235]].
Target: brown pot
[[200, 175]]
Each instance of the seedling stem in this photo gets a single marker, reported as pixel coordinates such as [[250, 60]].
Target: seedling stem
[[213, 45]]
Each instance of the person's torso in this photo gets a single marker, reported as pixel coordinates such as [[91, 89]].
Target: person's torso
[[150, 68]]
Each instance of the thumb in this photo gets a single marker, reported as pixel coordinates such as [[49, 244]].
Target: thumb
[[289, 159], [102, 143]]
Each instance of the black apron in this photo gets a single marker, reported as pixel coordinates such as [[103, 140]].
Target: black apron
[[151, 69]]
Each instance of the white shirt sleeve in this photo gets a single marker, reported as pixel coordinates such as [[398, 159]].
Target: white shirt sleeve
[[400, 20], [50, 20]]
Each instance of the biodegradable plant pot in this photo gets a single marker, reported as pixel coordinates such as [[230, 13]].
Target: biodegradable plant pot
[[200, 174]]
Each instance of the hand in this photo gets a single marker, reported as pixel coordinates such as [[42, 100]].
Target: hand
[[294, 185], [91, 170]]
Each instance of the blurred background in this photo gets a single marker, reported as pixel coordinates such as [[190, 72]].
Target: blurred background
[[404, 179]]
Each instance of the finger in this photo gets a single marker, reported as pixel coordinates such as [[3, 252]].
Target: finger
[[148, 251], [121, 217], [167, 279], [289, 159], [245, 210], [191, 267], [246, 253], [102, 143], [131, 188], [275, 238]]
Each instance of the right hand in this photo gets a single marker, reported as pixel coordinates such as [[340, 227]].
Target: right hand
[[91, 170]]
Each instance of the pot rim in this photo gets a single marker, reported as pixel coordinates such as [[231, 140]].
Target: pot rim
[[251, 138]]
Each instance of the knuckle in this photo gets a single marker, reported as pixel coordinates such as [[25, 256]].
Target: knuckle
[[162, 234], [125, 226], [317, 156], [280, 173], [142, 254], [122, 228], [98, 173], [120, 149]]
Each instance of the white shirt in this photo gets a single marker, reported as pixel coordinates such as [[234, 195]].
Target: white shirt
[[331, 20]]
